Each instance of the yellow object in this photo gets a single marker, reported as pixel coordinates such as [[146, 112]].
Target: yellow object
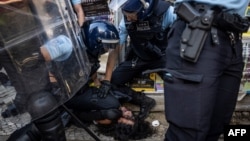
[[144, 83], [247, 14], [159, 84]]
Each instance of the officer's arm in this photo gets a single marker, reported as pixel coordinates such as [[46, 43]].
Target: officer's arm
[[45, 54], [57, 49], [168, 18], [114, 54], [111, 62], [80, 13]]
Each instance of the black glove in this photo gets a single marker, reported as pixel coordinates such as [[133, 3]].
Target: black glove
[[104, 89]]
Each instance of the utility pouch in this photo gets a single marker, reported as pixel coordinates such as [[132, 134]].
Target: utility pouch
[[232, 22], [192, 43], [196, 31]]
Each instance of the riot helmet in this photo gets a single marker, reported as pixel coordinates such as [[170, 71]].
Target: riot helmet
[[99, 36], [142, 8]]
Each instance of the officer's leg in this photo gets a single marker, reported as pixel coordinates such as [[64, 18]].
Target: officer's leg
[[43, 107], [227, 95], [170, 87], [125, 72], [191, 92], [129, 69]]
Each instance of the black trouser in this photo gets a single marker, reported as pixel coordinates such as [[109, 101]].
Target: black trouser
[[200, 101], [89, 107], [87, 100], [125, 72]]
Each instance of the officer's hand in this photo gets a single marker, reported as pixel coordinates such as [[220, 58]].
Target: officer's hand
[[104, 88]]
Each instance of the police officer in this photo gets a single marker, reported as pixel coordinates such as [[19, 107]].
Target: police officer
[[204, 68], [99, 37], [147, 23]]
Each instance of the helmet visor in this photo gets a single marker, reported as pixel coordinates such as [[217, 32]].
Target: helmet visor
[[110, 44], [105, 47]]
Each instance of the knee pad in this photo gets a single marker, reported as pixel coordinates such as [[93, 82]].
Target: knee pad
[[40, 104]]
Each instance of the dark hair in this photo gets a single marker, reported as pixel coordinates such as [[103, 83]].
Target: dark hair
[[124, 132]]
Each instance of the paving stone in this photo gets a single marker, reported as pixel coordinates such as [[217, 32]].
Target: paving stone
[[73, 133]]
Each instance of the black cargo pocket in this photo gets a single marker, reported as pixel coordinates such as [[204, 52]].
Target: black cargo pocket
[[183, 75]]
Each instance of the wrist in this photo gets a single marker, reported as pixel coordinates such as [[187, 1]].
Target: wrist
[[107, 82]]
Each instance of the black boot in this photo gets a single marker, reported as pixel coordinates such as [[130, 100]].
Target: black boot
[[137, 98], [51, 127], [27, 133], [146, 103]]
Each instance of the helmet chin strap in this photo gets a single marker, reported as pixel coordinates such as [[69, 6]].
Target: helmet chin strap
[[145, 4]]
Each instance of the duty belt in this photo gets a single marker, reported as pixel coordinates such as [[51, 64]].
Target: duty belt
[[224, 20]]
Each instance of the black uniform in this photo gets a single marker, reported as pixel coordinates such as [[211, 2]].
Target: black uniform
[[148, 44], [201, 93], [148, 41]]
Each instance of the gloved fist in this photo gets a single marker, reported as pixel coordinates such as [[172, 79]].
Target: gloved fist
[[104, 89]]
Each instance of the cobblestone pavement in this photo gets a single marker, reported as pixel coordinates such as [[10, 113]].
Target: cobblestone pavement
[[73, 133]]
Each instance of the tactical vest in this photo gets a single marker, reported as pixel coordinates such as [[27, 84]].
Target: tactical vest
[[149, 30]]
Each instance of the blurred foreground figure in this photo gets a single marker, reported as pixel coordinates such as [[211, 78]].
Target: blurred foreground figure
[[33, 33]]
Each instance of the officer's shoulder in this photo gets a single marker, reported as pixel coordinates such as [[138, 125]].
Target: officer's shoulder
[[161, 7]]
